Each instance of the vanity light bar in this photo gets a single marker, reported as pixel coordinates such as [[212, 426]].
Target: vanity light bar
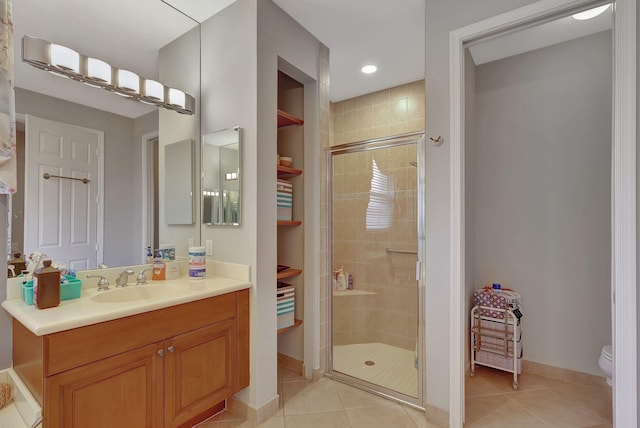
[[63, 61]]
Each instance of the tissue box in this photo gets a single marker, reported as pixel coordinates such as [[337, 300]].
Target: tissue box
[[69, 290]]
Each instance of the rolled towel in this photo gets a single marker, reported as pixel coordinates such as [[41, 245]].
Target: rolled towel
[[5, 394]]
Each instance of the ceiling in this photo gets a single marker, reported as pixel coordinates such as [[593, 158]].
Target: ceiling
[[357, 32], [539, 36], [390, 34]]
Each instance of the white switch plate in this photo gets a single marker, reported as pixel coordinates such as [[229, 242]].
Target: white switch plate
[[209, 247]]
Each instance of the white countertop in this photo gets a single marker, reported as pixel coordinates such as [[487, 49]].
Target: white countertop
[[84, 311]]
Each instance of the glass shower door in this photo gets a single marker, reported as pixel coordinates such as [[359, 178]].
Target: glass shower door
[[375, 290]]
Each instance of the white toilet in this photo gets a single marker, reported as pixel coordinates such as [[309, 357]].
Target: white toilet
[[606, 362]]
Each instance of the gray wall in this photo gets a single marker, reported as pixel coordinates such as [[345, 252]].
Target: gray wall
[[638, 186], [229, 98], [542, 189], [443, 17], [121, 221]]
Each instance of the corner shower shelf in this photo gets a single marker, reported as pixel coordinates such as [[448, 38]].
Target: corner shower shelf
[[296, 323], [288, 273], [346, 293], [285, 119]]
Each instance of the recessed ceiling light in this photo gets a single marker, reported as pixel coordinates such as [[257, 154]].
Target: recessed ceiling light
[[591, 13], [368, 69]]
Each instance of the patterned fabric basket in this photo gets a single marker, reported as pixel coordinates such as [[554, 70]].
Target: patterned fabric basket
[[506, 299]]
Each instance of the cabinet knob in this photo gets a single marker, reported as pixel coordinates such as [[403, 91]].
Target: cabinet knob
[[161, 352], [170, 348]]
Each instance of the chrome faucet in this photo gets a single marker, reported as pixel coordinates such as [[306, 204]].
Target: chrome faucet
[[142, 278], [122, 279], [103, 283]]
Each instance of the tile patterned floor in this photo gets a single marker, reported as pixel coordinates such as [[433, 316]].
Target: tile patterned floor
[[327, 404], [539, 402], [491, 402]]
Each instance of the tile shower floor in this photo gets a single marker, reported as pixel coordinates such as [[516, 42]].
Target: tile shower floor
[[491, 402], [380, 364]]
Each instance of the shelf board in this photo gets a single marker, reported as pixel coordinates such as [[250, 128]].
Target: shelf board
[[288, 273], [286, 119], [289, 222], [296, 323], [285, 171]]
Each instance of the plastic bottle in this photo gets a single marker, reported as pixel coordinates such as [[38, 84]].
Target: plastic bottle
[[341, 281], [350, 282], [46, 286], [149, 255], [159, 271]]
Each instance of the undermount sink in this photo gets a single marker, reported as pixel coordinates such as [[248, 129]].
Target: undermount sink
[[134, 293]]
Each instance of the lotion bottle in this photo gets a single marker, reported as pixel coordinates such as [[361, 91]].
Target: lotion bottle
[[159, 270]]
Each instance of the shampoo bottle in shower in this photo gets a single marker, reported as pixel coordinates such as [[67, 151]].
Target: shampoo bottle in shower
[[341, 281]]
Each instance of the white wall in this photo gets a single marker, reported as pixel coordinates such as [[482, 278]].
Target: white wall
[[441, 18], [239, 87], [542, 190], [179, 67]]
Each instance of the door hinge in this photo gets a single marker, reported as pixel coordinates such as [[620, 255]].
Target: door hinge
[[97, 247]]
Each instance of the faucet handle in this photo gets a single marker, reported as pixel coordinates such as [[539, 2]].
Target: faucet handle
[[103, 283], [142, 278]]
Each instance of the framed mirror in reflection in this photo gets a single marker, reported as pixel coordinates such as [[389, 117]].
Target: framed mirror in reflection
[[221, 190]]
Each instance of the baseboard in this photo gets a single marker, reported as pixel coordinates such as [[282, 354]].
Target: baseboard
[[564, 374], [248, 413], [436, 415], [291, 363]]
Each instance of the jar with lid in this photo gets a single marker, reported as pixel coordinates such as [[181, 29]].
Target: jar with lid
[[46, 286]]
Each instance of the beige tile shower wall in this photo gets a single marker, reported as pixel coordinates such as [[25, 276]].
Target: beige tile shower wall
[[389, 316], [393, 111]]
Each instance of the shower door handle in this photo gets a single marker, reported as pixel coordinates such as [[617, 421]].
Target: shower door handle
[[418, 266]]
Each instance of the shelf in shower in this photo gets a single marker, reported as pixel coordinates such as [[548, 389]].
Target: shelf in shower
[[296, 323], [288, 273], [346, 293]]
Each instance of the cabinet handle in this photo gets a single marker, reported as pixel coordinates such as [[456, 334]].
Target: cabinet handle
[[161, 352], [170, 348]]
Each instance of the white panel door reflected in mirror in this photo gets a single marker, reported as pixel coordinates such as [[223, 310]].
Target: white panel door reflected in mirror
[[178, 189], [221, 177]]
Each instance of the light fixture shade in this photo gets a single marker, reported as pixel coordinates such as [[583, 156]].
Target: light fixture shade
[[65, 58], [98, 70], [176, 97], [65, 62], [153, 90], [128, 81], [36, 52]]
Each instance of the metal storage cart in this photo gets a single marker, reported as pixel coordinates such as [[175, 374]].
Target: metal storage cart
[[496, 338]]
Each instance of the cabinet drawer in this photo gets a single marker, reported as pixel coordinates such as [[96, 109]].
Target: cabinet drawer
[[73, 348]]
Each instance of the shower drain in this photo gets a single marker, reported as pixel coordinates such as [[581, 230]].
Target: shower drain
[[369, 363]]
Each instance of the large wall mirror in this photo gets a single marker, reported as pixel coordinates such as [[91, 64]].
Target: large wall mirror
[[221, 177], [131, 213]]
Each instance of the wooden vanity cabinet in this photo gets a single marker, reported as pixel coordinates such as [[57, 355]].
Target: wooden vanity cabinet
[[194, 357]]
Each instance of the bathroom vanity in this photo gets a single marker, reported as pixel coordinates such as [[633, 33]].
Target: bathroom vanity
[[168, 359]]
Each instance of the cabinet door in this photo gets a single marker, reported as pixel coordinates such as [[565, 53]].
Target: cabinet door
[[199, 371], [121, 391]]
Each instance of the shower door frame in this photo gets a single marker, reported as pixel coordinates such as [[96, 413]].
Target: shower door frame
[[417, 138]]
